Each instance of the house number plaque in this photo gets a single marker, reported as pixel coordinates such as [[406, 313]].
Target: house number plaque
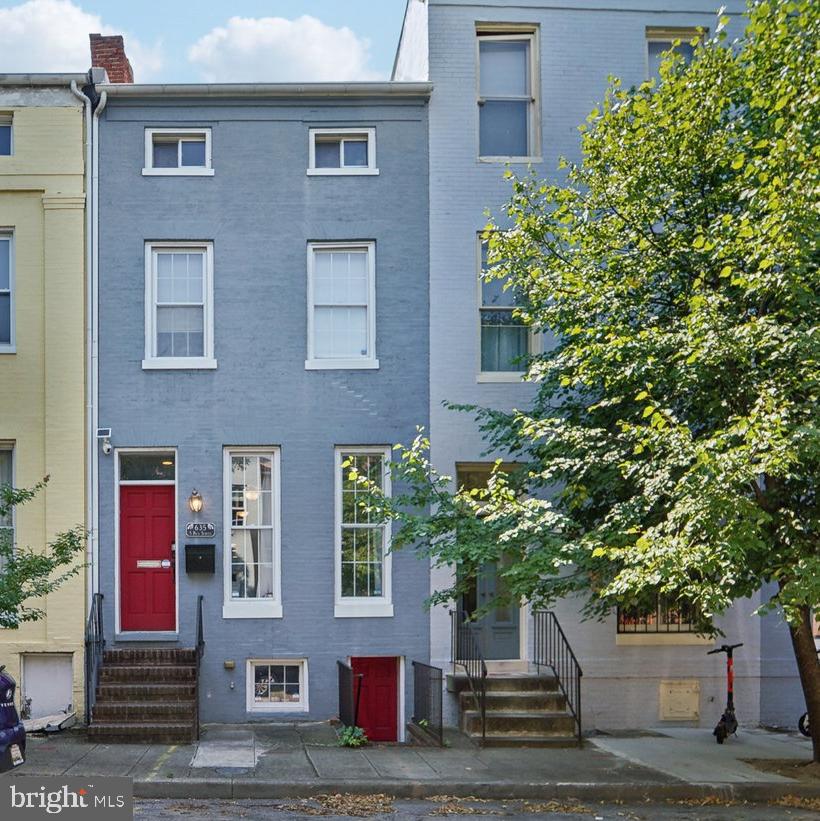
[[200, 530]]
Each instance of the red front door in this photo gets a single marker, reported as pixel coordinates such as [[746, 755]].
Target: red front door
[[378, 704], [147, 534]]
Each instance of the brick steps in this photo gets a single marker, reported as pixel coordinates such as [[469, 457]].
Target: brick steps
[[146, 695]]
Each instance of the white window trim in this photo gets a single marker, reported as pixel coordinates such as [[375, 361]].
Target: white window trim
[[179, 171], [12, 345], [251, 608], [489, 377], [361, 606], [344, 171], [7, 118], [512, 31], [162, 363], [303, 705], [364, 362]]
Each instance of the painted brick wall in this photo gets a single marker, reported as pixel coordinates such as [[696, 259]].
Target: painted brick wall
[[260, 209]]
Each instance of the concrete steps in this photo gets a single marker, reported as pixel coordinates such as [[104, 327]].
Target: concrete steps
[[522, 710], [146, 695]]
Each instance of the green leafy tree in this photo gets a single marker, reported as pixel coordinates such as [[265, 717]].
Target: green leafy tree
[[27, 575], [674, 443]]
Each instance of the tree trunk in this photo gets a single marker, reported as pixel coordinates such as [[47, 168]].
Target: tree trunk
[[809, 669]]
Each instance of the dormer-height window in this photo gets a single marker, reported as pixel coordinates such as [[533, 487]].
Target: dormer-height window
[[178, 152], [342, 151]]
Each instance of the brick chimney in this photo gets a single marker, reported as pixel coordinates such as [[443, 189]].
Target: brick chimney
[[108, 52]]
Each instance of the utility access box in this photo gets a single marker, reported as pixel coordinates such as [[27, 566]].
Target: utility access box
[[200, 558]]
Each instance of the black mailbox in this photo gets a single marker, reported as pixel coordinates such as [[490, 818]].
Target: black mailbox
[[200, 558]]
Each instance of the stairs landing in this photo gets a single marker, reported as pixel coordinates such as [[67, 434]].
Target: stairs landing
[[522, 710], [146, 695]]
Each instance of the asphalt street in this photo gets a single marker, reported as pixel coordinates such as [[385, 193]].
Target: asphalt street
[[357, 806]]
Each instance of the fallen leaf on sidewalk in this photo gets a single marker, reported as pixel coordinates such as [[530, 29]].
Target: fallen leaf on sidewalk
[[443, 799], [706, 801], [556, 807], [798, 803]]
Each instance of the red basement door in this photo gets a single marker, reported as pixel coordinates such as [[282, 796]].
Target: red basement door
[[379, 700]]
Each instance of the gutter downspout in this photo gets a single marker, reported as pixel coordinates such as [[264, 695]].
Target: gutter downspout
[[90, 467], [95, 328]]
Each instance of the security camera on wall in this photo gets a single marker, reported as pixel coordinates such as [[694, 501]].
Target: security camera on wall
[[104, 435]]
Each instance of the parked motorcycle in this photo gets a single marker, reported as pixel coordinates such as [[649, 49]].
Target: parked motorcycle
[[12, 731]]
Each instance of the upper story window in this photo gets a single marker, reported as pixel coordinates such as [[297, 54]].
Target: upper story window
[[5, 135], [660, 40], [505, 339], [178, 152], [7, 478], [6, 293], [507, 102], [342, 151], [179, 323], [341, 305], [363, 579], [252, 576]]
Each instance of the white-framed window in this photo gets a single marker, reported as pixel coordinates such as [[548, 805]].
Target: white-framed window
[[253, 583], [277, 686], [179, 296], [508, 115], [660, 40], [341, 305], [178, 152], [505, 341], [7, 478], [6, 134], [7, 342], [342, 151], [363, 559]]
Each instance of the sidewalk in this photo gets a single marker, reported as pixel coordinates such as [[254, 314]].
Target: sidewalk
[[299, 760]]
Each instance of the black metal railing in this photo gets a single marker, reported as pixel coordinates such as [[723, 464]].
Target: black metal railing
[[94, 647], [350, 691], [466, 653], [428, 683], [553, 650], [200, 652]]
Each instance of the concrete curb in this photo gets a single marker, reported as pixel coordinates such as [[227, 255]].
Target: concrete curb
[[236, 788]]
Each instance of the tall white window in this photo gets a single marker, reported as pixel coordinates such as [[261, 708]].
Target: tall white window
[[508, 116], [178, 152], [363, 578], [6, 140], [341, 305], [251, 528], [505, 339], [179, 306], [6, 293], [660, 40], [7, 479]]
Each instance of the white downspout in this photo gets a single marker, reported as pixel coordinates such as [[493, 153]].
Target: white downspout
[[90, 433], [95, 328]]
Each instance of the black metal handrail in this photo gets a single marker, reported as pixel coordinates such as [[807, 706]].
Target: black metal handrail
[[427, 699], [350, 691], [94, 647], [466, 653], [553, 650], [200, 652]]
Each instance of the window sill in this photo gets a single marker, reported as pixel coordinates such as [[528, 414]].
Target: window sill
[[172, 364], [511, 159], [177, 172], [500, 376], [8, 349], [661, 639], [278, 709], [251, 610], [341, 364], [343, 172], [363, 610]]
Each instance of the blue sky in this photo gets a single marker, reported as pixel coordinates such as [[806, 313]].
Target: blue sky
[[196, 40]]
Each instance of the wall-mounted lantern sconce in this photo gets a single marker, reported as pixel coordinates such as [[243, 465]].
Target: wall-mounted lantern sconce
[[195, 501]]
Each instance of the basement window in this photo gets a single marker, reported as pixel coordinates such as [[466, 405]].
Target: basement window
[[178, 152], [342, 151], [277, 686]]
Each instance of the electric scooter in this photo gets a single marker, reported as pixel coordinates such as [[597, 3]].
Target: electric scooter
[[728, 721]]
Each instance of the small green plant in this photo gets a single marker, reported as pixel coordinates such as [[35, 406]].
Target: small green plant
[[423, 722], [352, 737]]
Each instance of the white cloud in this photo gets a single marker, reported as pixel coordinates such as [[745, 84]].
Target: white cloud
[[275, 49], [52, 35]]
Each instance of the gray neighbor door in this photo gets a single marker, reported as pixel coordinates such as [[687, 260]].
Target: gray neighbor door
[[497, 631]]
